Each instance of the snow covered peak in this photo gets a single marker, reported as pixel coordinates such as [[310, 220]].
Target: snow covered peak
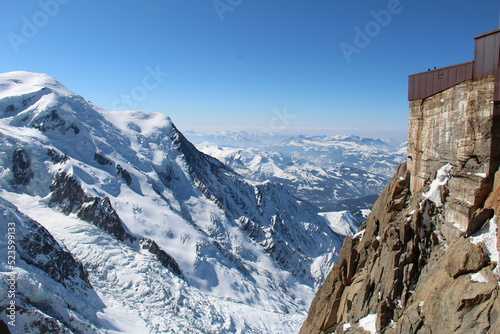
[[39, 101], [139, 121], [36, 95], [66, 162], [20, 83]]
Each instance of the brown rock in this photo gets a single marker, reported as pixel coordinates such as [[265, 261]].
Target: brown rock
[[478, 219], [464, 257], [493, 201], [347, 261], [411, 322], [383, 316], [456, 126], [347, 292], [401, 271], [496, 182]]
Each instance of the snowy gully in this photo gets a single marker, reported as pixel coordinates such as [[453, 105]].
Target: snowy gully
[[12, 280]]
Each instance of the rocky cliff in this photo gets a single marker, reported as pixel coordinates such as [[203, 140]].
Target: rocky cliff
[[425, 260], [458, 126]]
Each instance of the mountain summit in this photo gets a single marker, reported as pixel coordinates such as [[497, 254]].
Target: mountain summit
[[156, 235]]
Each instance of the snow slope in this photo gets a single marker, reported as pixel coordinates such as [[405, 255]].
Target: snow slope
[[342, 222], [45, 274], [135, 294], [171, 239]]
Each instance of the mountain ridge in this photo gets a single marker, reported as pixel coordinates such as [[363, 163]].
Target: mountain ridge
[[327, 184], [131, 182]]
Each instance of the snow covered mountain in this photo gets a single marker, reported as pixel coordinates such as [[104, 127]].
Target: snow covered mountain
[[324, 187], [333, 173], [378, 156], [155, 235], [374, 155]]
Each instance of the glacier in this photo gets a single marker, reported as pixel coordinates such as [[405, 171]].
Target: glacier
[[164, 238]]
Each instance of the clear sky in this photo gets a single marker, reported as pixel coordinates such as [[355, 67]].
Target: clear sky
[[287, 65]]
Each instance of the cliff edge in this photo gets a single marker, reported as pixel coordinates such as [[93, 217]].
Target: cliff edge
[[425, 260]]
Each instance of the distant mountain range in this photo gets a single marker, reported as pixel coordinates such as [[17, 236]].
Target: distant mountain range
[[342, 172]]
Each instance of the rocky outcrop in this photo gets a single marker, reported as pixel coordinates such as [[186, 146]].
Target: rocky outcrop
[[365, 275], [425, 260], [70, 197], [166, 260], [52, 121], [21, 168], [37, 247], [125, 175], [99, 212], [400, 268], [493, 202], [56, 157], [102, 160]]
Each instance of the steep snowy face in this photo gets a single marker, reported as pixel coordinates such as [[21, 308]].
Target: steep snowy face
[[42, 273], [137, 180]]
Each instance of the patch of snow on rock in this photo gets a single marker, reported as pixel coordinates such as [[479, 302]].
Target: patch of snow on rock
[[442, 177], [369, 323], [488, 236], [478, 277]]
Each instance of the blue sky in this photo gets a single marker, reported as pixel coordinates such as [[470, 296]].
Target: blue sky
[[246, 64]]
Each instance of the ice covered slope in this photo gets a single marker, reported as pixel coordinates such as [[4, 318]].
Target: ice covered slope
[[342, 222], [130, 291], [154, 221], [41, 280]]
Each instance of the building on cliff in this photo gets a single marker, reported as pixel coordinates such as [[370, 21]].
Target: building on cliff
[[426, 259], [454, 119], [486, 62]]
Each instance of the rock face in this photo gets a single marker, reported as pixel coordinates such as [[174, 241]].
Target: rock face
[[166, 260], [70, 197], [425, 260], [458, 126], [21, 168]]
